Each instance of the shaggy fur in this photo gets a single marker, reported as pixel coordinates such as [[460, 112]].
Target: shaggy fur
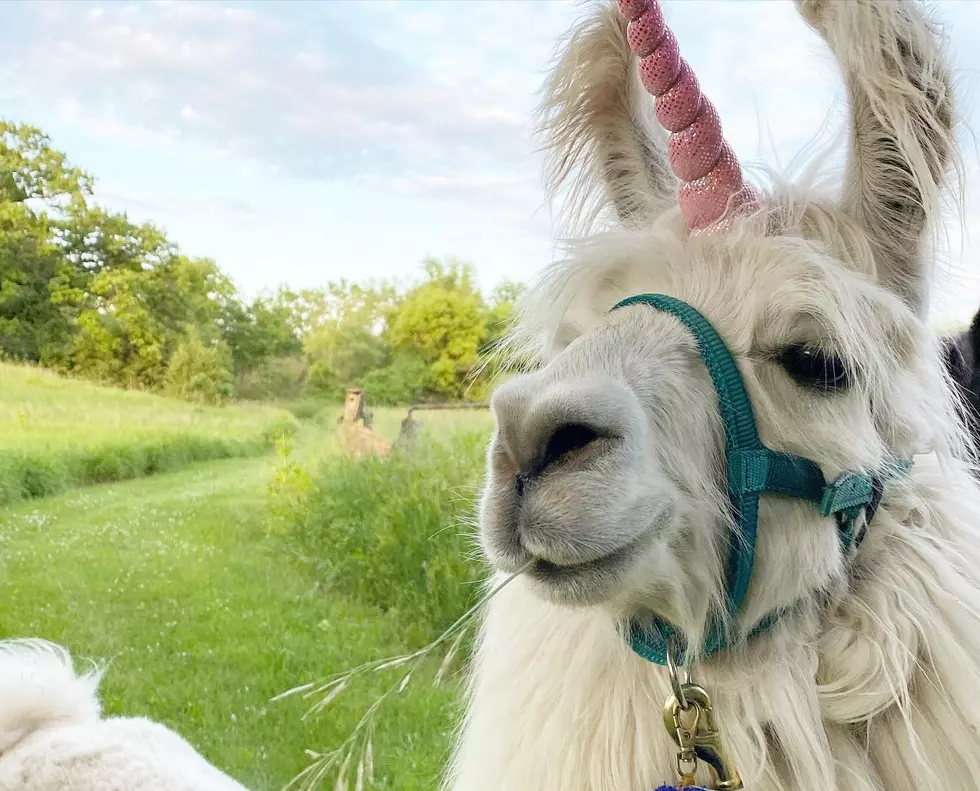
[[605, 486], [961, 354], [52, 736]]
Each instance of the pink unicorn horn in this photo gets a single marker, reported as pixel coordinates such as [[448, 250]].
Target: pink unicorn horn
[[712, 189]]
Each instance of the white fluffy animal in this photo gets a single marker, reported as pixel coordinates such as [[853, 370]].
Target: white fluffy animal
[[53, 737], [606, 484]]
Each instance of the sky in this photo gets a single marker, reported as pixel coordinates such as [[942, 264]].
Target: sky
[[305, 141]]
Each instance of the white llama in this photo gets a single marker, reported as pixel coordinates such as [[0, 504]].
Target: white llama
[[53, 737], [844, 665]]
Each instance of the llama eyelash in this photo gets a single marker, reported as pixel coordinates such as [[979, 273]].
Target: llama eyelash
[[815, 368]]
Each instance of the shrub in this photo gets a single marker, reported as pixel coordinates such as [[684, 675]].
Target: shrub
[[305, 408], [274, 378], [400, 382], [200, 373], [289, 489], [392, 532], [322, 380]]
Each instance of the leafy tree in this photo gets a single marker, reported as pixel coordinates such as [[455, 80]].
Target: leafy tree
[[500, 314], [266, 327], [341, 356], [32, 170], [37, 285], [273, 378], [134, 318], [443, 320], [344, 340], [34, 326], [401, 381], [94, 239], [345, 304]]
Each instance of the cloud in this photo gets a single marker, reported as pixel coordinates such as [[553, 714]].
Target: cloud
[[212, 206], [313, 88], [429, 99], [422, 100], [391, 91]]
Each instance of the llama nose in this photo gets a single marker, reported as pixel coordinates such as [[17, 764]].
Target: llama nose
[[542, 428]]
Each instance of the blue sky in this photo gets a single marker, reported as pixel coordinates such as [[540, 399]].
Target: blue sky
[[298, 142]]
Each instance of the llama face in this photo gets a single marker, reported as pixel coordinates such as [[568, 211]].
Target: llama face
[[606, 479], [606, 475]]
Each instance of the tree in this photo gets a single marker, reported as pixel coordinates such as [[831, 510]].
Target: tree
[[401, 381], [443, 320], [37, 285], [344, 340], [33, 324], [94, 239], [32, 170], [134, 319], [500, 314], [266, 327]]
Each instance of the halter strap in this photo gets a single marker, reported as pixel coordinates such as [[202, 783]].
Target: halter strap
[[752, 469]]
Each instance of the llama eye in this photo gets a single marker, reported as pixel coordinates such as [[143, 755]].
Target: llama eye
[[811, 367]]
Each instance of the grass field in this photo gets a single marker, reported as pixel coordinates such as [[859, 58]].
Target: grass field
[[215, 587], [57, 433]]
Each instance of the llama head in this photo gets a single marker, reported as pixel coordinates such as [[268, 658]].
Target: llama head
[[606, 474]]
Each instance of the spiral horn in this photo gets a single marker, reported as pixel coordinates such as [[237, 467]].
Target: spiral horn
[[712, 189]]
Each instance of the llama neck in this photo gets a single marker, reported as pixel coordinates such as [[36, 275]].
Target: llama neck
[[883, 692]]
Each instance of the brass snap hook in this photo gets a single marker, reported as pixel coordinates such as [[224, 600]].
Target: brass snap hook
[[697, 737]]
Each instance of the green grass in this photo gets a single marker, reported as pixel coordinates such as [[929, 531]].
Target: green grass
[[216, 587], [206, 617], [57, 433]]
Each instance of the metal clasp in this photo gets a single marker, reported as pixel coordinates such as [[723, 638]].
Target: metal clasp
[[689, 719]]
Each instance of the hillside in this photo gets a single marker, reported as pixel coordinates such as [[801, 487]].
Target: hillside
[[56, 433]]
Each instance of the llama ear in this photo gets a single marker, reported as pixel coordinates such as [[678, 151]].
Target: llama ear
[[901, 137], [602, 141]]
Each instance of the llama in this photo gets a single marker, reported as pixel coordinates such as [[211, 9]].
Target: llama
[[961, 355], [852, 659], [52, 736]]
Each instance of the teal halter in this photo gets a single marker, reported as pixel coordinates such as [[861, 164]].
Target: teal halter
[[751, 470]]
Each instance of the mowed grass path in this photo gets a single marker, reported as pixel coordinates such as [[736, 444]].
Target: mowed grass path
[[57, 433], [205, 618]]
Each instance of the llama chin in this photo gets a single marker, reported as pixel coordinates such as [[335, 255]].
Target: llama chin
[[606, 487]]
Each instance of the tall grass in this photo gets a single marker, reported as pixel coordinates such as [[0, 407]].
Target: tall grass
[[391, 533], [57, 433], [395, 535]]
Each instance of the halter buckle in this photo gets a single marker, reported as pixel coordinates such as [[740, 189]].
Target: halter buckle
[[853, 499]]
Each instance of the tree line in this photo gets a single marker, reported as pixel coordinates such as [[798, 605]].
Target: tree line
[[89, 293]]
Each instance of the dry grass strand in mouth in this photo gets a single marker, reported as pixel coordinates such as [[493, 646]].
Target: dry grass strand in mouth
[[360, 741]]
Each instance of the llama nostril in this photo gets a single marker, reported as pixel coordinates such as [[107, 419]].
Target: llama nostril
[[566, 439]]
